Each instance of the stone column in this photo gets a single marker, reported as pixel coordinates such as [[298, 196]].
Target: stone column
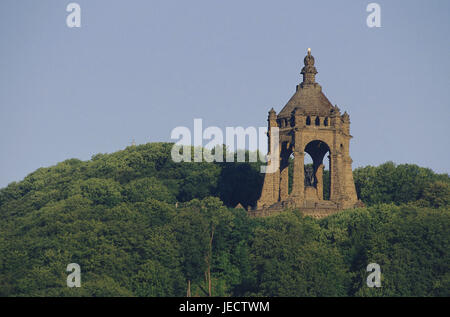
[[298, 184], [334, 178], [270, 191], [319, 177], [284, 182], [348, 192]]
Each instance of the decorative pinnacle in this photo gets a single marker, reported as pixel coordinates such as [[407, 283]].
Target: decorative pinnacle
[[309, 71], [272, 113]]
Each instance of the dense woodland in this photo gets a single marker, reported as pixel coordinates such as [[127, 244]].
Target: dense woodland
[[139, 224]]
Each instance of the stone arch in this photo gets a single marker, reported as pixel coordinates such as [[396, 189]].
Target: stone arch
[[317, 149], [324, 136]]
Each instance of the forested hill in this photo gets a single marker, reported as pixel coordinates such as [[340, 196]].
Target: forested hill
[[139, 224]]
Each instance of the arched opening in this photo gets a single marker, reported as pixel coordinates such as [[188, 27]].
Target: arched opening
[[308, 120], [292, 121], [318, 172], [317, 121], [325, 122]]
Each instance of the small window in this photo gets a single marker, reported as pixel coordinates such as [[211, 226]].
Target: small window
[[308, 120], [325, 122], [317, 121]]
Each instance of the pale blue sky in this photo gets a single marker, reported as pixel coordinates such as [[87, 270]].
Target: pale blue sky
[[137, 69]]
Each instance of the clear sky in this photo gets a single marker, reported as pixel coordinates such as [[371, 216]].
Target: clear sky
[[137, 69]]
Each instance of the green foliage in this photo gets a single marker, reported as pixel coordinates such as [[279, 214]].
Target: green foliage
[[141, 189], [293, 258], [401, 184], [99, 191], [436, 195], [240, 183], [140, 224], [410, 244]]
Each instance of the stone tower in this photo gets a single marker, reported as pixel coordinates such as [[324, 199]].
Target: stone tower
[[309, 123]]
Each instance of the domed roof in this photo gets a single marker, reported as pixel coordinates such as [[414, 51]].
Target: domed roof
[[309, 97], [310, 100]]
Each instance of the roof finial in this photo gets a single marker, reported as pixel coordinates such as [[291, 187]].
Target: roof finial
[[309, 71]]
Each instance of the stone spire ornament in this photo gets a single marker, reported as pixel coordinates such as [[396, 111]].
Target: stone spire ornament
[[309, 71]]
